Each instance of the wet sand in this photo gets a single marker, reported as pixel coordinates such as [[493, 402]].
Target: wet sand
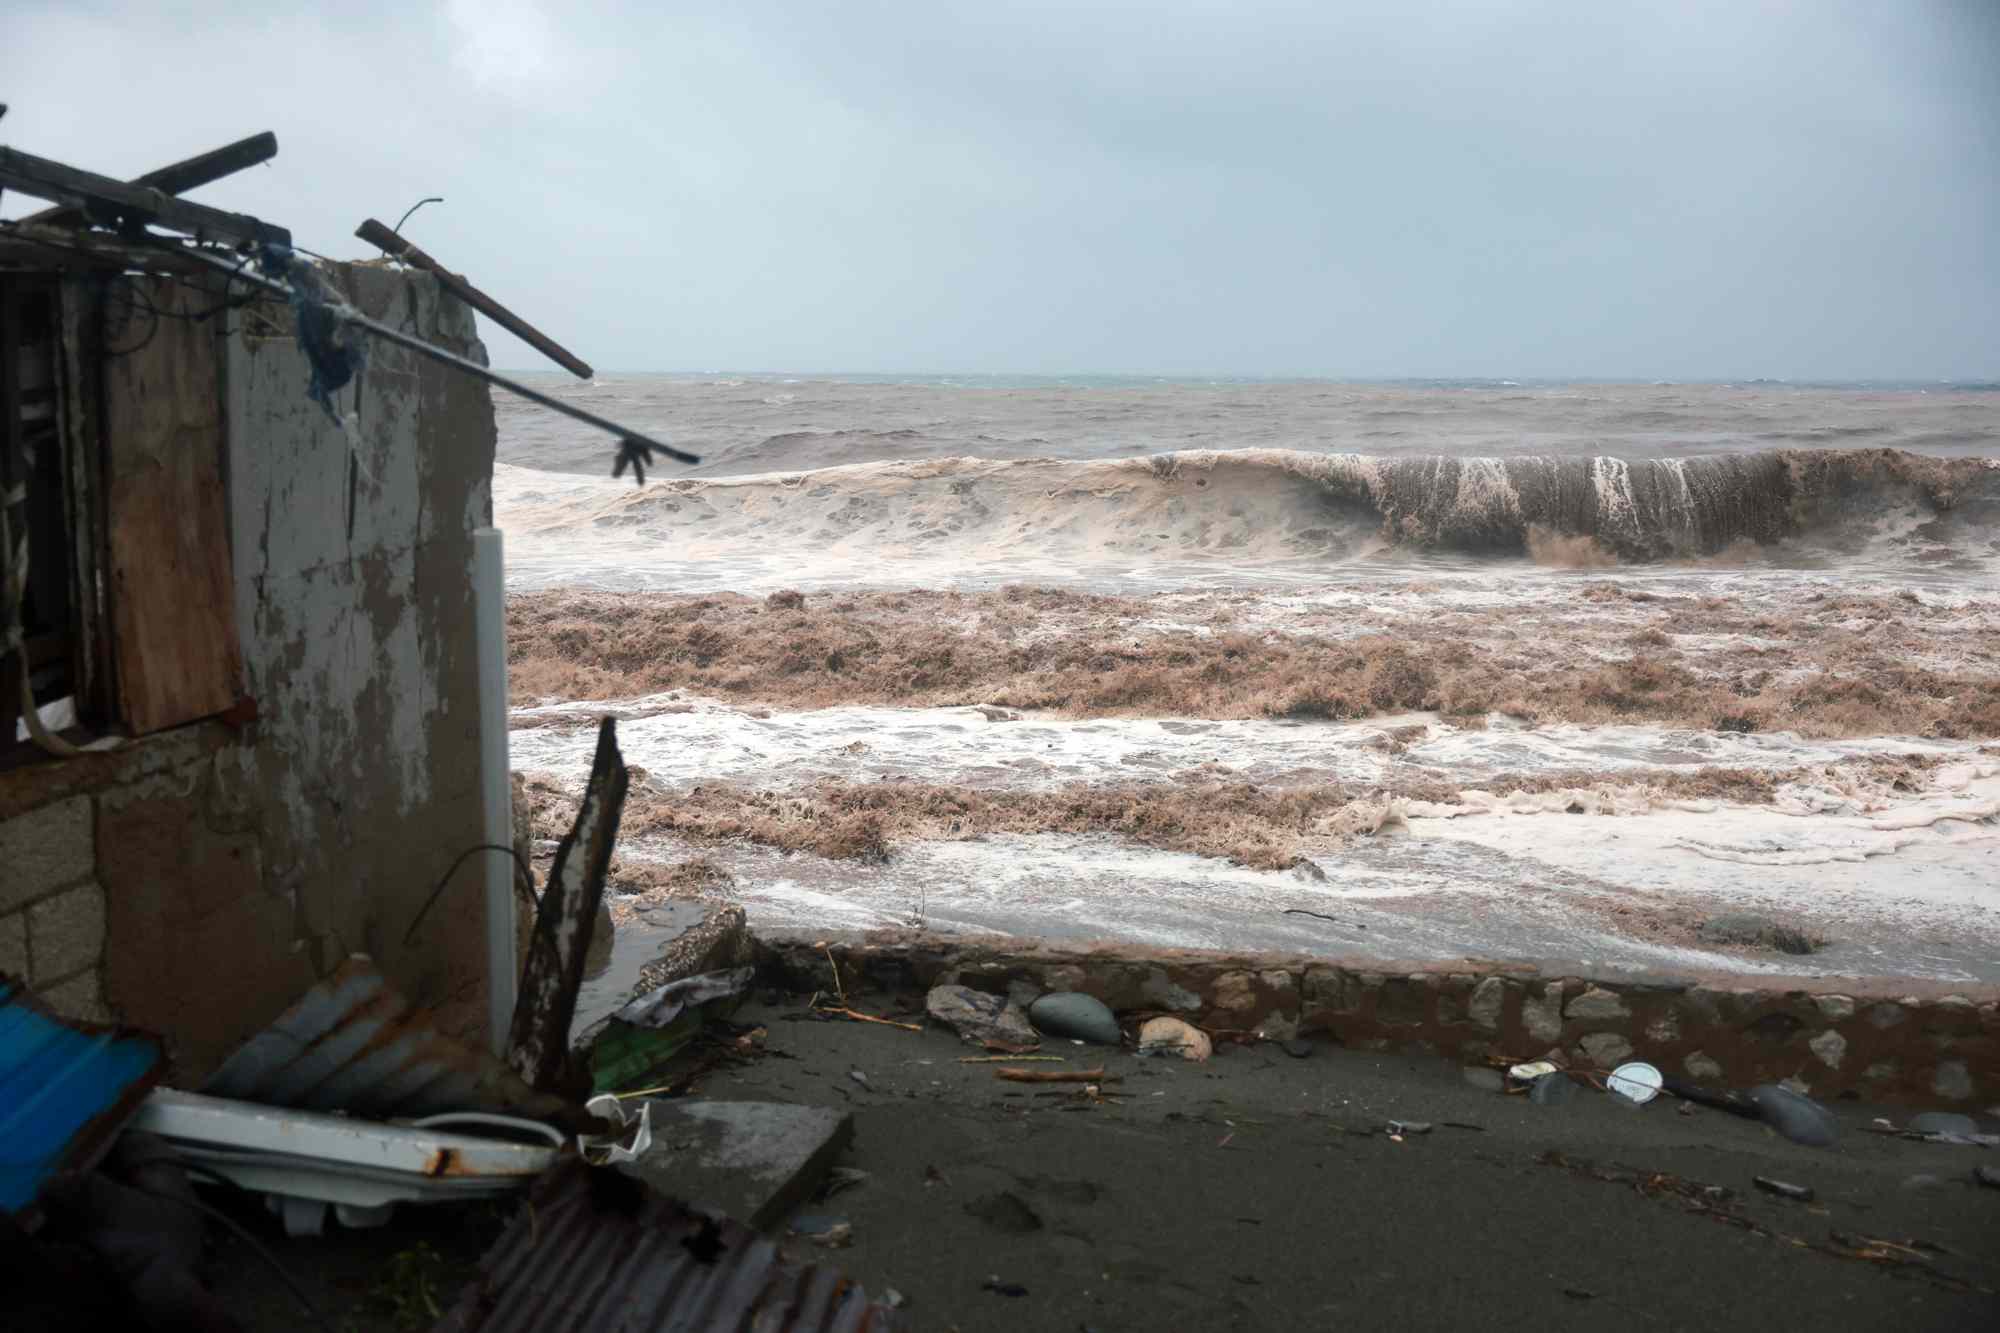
[[1259, 1191]]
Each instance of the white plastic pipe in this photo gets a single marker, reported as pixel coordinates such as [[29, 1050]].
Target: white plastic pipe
[[489, 603]]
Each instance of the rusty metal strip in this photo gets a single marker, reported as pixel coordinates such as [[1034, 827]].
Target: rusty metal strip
[[597, 1252], [352, 1043]]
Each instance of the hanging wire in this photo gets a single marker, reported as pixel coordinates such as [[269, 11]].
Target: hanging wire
[[434, 199]]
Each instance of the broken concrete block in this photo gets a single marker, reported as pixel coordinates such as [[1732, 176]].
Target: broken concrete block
[[979, 1017], [753, 1161]]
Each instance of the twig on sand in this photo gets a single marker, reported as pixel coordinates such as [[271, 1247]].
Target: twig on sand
[[1096, 1075], [859, 1017]]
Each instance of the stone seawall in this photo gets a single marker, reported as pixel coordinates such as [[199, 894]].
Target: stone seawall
[[1929, 1046]]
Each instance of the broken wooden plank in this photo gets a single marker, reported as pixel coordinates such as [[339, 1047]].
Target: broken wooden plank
[[107, 198], [180, 177], [391, 243], [538, 1045], [173, 602]]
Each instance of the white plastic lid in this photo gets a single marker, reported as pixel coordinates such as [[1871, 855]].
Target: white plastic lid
[[1638, 1081]]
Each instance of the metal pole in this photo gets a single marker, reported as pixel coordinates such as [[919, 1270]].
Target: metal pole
[[627, 438], [489, 606]]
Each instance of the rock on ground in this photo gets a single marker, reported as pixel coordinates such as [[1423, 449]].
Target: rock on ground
[[978, 1017], [1074, 1014], [1170, 1036]]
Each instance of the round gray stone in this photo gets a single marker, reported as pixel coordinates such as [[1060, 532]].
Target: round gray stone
[[1798, 1118], [1074, 1014]]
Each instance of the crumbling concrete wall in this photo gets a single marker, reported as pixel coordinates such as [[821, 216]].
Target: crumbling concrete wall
[[195, 882]]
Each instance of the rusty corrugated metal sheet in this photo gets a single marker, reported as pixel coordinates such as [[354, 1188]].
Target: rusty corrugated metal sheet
[[598, 1252], [353, 1044]]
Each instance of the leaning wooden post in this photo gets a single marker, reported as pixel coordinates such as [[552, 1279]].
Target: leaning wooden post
[[538, 1045]]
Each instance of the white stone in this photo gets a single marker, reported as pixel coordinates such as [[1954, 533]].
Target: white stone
[[1666, 1029], [1835, 1008], [1171, 1035], [1830, 1047]]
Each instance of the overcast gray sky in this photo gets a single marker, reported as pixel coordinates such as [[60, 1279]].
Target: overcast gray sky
[[1668, 190]]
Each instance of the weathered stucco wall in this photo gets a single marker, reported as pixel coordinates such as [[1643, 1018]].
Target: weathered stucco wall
[[196, 882]]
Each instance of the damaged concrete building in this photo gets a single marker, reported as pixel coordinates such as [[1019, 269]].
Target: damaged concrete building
[[252, 641]]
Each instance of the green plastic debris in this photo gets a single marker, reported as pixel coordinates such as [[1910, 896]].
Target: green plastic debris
[[640, 1040]]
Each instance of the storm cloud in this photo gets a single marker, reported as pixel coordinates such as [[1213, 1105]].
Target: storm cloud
[[1508, 189]]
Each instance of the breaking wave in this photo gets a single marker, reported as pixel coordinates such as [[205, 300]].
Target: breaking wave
[[1822, 506]]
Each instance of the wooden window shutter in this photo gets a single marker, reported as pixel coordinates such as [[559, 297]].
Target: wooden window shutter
[[173, 603]]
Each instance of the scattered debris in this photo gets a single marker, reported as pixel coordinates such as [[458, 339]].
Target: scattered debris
[[757, 1161], [1637, 1082], [1171, 1036], [1298, 1048], [860, 1078], [1096, 1075], [1076, 1015], [1308, 867], [1797, 1117], [1525, 1075], [1008, 1059], [66, 1089], [588, 1232], [1714, 1202], [841, 1178], [1552, 1090], [308, 1162], [1005, 1211], [633, 1139], [831, 1233], [855, 1015], [1398, 1128], [933, 1176], [538, 1044], [1987, 1175], [353, 1044], [1783, 1189], [999, 1288], [978, 1017], [637, 1042], [1941, 1122]]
